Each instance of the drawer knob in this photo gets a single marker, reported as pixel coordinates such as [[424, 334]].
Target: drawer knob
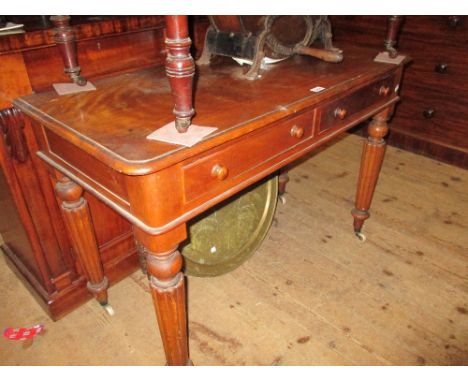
[[297, 132], [384, 90], [441, 68], [428, 113], [219, 172], [453, 21], [340, 113]]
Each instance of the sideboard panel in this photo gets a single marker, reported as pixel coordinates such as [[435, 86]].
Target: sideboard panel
[[431, 118]]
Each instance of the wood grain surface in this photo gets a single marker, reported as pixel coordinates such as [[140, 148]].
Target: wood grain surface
[[131, 106]]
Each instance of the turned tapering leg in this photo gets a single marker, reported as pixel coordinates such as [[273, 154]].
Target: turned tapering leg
[[393, 29], [65, 39], [80, 228], [180, 69], [283, 179], [371, 162], [167, 284]]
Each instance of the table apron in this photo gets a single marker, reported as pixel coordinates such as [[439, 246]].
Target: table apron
[[187, 215]]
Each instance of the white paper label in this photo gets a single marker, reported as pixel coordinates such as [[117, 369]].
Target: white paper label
[[317, 89]]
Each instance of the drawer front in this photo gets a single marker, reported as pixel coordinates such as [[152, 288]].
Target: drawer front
[[342, 111], [439, 31], [100, 173], [439, 118], [219, 165], [441, 68], [445, 77], [452, 106]]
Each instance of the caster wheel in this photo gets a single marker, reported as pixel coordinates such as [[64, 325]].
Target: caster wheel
[[81, 81], [109, 309], [282, 199], [361, 236]]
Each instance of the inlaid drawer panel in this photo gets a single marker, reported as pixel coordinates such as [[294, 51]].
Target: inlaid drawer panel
[[234, 158], [342, 111]]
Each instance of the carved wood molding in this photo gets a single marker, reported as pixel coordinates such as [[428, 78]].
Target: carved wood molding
[[11, 126]]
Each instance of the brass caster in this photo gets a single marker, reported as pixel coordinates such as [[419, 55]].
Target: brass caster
[[81, 81], [361, 236], [109, 309], [282, 199]]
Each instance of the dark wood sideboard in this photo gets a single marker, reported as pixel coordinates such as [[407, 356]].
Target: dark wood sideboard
[[432, 120], [35, 240]]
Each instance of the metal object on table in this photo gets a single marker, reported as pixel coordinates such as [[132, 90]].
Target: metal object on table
[[259, 40], [228, 234]]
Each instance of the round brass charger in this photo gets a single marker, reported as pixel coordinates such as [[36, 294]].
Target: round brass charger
[[229, 233]]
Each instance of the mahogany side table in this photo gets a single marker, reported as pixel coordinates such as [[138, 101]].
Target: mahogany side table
[[96, 141]]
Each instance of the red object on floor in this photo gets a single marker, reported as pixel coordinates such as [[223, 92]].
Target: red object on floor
[[17, 334]]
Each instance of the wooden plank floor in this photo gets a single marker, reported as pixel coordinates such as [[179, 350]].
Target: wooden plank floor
[[312, 295]]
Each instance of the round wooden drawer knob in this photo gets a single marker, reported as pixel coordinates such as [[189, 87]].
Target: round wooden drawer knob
[[340, 113], [297, 132], [428, 113], [441, 68], [219, 172], [384, 90], [453, 21]]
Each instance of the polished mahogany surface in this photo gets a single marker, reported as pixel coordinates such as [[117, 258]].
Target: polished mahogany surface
[[100, 136], [112, 121]]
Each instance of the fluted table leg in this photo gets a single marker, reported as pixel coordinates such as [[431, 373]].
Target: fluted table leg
[[167, 284], [168, 291], [371, 162], [80, 228]]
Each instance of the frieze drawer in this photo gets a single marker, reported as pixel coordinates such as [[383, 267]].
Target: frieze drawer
[[342, 111], [226, 162]]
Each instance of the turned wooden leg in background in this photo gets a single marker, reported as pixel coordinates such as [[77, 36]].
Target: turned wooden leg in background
[[65, 38], [180, 69], [371, 162], [283, 179], [393, 29], [80, 228], [168, 290]]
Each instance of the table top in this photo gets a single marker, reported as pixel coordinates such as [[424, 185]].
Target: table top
[[112, 122]]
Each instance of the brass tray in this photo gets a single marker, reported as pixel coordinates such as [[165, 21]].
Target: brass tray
[[226, 235]]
